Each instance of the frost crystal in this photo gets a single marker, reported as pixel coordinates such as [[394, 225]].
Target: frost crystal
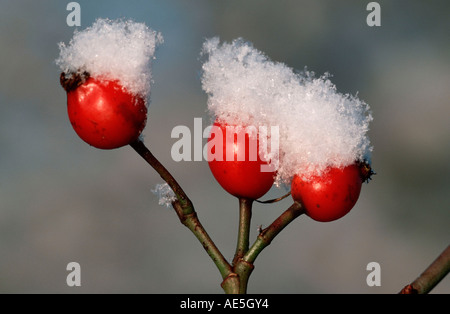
[[318, 126], [165, 194], [114, 50]]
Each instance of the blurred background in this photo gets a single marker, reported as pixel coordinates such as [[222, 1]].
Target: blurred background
[[63, 201]]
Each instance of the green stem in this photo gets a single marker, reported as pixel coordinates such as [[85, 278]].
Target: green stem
[[268, 234], [185, 209], [243, 265], [235, 278], [243, 269], [245, 216], [231, 284]]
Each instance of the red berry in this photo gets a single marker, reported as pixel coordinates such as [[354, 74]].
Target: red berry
[[104, 114], [332, 195], [241, 178]]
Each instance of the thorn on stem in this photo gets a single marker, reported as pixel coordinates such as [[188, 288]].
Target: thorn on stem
[[260, 229]]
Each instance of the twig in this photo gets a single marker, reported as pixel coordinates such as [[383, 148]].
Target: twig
[[243, 266], [185, 209], [431, 276], [245, 216], [274, 200], [268, 234], [182, 198]]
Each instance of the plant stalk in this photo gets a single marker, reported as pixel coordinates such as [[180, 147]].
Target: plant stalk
[[235, 277], [245, 216], [243, 265], [185, 209], [266, 236], [431, 276]]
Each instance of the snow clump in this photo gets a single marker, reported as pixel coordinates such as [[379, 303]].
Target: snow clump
[[318, 126]]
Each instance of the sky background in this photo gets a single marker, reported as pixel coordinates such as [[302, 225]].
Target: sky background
[[63, 201]]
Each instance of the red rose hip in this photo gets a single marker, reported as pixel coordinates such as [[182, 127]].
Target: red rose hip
[[241, 177], [104, 114], [332, 195]]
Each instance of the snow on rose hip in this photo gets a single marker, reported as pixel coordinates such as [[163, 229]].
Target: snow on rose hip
[[106, 72], [321, 130]]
